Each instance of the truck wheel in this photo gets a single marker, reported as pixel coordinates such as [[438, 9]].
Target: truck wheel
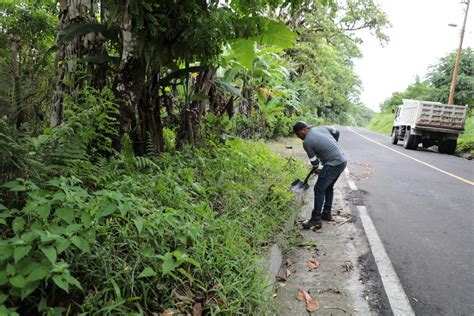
[[409, 141], [448, 146], [395, 136]]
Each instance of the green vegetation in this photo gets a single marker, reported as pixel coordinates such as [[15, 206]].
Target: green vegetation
[[466, 140], [136, 234], [125, 183], [382, 123]]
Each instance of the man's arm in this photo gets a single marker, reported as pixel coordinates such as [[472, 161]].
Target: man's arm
[[334, 132], [311, 155]]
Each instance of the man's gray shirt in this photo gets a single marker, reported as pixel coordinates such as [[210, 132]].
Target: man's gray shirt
[[319, 144]]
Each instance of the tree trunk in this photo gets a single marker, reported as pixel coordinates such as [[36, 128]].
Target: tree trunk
[[191, 117], [129, 84], [69, 74], [18, 115]]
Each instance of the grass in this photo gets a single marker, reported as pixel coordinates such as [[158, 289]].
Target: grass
[[466, 140], [382, 123]]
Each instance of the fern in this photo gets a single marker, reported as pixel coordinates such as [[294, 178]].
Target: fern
[[145, 163], [150, 148]]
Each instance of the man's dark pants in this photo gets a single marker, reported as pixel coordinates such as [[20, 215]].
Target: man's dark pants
[[324, 190]]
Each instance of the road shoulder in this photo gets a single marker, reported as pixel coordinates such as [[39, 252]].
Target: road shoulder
[[346, 280]]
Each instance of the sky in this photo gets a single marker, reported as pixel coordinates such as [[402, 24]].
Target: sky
[[419, 37]]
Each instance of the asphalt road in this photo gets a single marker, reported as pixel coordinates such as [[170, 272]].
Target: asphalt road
[[424, 218]]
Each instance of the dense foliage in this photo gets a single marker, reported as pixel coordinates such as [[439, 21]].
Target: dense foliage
[[138, 234], [121, 190]]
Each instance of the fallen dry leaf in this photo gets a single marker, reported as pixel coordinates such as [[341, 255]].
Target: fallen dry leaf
[[283, 274], [167, 312], [347, 266], [290, 262], [312, 305], [197, 309], [303, 296], [313, 264]]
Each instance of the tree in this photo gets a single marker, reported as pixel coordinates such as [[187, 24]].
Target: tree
[[440, 74], [26, 35], [419, 90]]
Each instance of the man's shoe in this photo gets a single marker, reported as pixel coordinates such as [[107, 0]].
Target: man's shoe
[[313, 224], [326, 217]]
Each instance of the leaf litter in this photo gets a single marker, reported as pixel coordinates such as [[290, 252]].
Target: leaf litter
[[312, 304], [312, 264]]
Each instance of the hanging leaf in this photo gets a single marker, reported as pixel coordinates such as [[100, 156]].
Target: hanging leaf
[[244, 52], [72, 31], [226, 87], [277, 34], [101, 59]]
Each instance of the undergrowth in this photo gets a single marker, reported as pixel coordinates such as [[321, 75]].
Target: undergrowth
[[82, 233]]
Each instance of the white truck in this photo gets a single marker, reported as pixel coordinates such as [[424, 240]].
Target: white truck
[[429, 123]]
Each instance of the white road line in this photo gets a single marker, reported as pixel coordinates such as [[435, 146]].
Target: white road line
[[396, 295], [352, 185], [417, 160]]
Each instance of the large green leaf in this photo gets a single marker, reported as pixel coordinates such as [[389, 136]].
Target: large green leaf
[[226, 87], [277, 34], [66, 214], [244, 52], [17, 224], [18, 281], [38, 274], [20, 252], [81, 243], [61, 282], [50, 253], [72, 31]]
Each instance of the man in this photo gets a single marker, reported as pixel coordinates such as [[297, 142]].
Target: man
[[320, 143]]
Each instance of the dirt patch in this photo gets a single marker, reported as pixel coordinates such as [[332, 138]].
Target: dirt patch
[[360, 171]]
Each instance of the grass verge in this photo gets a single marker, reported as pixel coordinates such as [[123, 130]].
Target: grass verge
[[382, 123]]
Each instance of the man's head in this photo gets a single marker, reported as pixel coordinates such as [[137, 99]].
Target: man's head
[[301, 129]]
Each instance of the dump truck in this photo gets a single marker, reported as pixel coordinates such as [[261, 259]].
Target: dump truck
[[429, 123]]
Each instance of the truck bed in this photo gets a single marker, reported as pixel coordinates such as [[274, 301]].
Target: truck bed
[[435, 115]]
